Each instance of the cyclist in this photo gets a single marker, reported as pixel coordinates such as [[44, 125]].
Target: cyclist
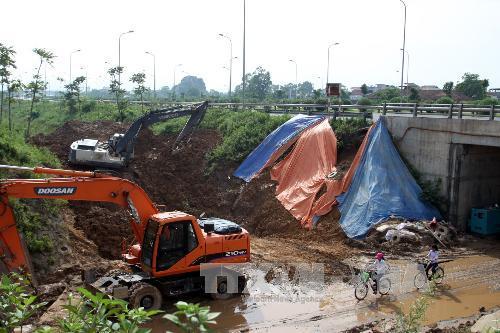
[[433, 256], [377, 269]]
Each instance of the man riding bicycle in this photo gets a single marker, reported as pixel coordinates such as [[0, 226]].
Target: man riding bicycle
[[433, 256]]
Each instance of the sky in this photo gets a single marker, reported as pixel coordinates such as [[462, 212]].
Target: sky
[[444, 39]]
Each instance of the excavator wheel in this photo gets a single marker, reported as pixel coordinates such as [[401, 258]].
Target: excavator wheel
[[222, 287], [145, 295]]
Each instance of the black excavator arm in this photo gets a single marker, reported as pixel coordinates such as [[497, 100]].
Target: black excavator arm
[[125, 146]]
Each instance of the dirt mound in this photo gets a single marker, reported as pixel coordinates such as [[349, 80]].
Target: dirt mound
[[178, 180], [60, 140]]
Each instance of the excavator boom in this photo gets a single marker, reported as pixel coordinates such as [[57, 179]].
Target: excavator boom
[[70, 185]]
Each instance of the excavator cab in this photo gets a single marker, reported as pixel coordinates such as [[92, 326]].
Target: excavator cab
[[168, 245]]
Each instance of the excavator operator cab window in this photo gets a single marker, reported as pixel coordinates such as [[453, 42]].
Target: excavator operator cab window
[[176, 240]]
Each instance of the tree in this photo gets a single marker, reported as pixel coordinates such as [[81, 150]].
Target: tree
[[364, 89], [7, 63], [191, 86], [140, 89], [388, 94], [305, 89], [37, 85], [72, 95], [259, 84], [414, 95], [472, 86], [448, 88], [14, 87], [115, 88]]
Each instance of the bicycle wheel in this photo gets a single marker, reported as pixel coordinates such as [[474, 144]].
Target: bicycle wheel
[[419, 280], [360, 291], [438, 276], [384, 286]]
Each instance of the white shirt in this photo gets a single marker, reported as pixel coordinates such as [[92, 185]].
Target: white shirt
[[379, 267], [433, 256]]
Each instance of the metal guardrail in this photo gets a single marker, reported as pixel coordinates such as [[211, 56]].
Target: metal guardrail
[[458, 111]]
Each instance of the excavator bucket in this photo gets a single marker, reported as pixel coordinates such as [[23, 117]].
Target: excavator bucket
[[192, 123]]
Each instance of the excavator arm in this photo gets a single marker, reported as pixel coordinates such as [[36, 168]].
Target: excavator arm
[[125, 146], [69, 185]]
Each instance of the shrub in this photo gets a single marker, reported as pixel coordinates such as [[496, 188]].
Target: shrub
[[16, 304], [346, 130], [444, 100], [241, 132], [364, 101], [89, 106], [488, 101], [192, 317]]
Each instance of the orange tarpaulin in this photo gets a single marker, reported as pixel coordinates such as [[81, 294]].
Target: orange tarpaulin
[[303, 172]]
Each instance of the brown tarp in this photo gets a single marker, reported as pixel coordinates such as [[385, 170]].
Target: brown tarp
[[305, 170]]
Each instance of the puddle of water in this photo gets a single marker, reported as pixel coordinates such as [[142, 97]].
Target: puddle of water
[[276, 303]]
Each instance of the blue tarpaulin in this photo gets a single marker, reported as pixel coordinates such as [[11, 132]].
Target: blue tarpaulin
[[261, 155], [382, 187]]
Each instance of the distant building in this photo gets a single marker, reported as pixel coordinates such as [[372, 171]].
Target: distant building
[[377, 87], [494, 92], [356, 94], [429, 87]]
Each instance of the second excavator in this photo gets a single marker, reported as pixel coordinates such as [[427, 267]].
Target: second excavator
[[119, 149]]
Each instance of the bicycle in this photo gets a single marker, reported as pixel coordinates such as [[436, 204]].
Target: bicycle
[[421, 277], [361, 288]]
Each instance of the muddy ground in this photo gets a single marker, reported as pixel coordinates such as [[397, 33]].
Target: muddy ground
[[179, 181]]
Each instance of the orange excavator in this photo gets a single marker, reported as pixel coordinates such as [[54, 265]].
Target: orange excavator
[[169, 246]]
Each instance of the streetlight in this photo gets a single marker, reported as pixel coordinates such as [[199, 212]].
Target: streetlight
[[244, 34], [403, 49], [230, 60], [296, 82], [407, 68], [154, 72], [173, 87], [86, 78], [70, 56], [320, 81], [119, 54], [328, 61]]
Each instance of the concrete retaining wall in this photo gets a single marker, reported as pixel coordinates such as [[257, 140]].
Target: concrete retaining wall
[[456, 152]]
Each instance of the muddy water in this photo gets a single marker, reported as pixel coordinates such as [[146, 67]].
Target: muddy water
[[276, 303]]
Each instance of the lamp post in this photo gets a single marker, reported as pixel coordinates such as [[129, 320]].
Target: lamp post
[[70, 56], [86, 79], [173, 87], [403, 49], [154, 72], [328, 61], [119, 54], [407, 68], [296, 82], [244, 34], [230, 60]]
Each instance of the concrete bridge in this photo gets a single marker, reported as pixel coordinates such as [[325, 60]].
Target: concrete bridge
[[463, 155]]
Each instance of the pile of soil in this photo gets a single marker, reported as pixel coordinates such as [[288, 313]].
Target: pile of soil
[[178, 180]]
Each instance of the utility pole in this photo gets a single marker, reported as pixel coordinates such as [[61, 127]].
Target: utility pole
[[328, 61], [119, 54], [244, 34], [296, 82], [154, 73], [230, 60], [70, 56], [403, 51]]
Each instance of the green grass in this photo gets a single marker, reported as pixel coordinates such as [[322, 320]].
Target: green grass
[[49, 115], [15, 151]]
